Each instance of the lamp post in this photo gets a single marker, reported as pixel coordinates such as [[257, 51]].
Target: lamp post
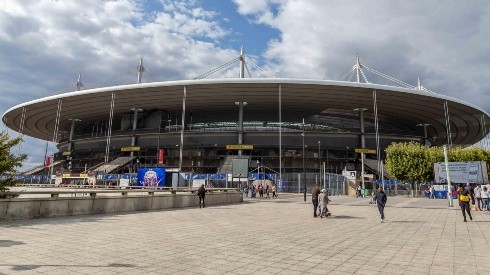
[[304, 164], [319, 162]]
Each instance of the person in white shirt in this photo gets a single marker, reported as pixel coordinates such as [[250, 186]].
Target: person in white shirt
[[478, 197], [485, 197]]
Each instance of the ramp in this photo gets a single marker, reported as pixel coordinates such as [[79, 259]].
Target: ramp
[[372, 164], [114, 165]]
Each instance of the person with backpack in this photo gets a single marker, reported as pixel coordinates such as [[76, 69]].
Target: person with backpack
[[464, 197]]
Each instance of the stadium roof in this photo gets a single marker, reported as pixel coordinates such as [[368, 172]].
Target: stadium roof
[[210, 99]]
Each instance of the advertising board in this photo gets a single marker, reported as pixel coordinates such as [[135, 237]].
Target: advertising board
[[151, 177], [461, 172]]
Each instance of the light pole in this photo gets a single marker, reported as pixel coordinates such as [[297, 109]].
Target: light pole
[[319, 162], [304, 164]]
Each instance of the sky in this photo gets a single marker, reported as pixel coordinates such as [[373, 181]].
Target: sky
[[46, 44]]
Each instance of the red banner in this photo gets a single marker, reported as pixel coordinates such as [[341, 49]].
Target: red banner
[[47, 161], [161, 156]]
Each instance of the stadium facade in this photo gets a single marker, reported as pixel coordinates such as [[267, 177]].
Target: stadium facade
[[286, 125]]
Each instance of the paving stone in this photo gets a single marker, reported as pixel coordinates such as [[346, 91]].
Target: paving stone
[[419, 236]]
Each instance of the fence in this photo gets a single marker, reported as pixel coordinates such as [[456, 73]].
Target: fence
[[290, 183]]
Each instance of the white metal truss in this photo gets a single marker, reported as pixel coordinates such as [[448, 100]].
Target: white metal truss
[[358, 71]]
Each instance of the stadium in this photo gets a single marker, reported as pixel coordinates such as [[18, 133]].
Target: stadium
[[285, 126]]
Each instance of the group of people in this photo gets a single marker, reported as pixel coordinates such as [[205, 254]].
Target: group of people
[[250, 191], [478, 196], [320, 201]]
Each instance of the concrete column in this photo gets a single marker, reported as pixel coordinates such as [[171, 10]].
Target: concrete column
[[362, 141], [240, 104], [72, 129], [135, 124], [361, 123]]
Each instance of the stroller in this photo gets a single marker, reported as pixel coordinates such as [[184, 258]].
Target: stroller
[[253, 193]]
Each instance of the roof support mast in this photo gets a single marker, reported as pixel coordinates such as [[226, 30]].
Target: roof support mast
[[358, 68], [140, 70], [242, 63], [79, 84]]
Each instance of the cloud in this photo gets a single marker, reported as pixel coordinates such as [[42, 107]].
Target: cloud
[[46, 44], [446, 45]]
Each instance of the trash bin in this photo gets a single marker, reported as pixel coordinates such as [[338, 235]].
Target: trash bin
[[366, 192]]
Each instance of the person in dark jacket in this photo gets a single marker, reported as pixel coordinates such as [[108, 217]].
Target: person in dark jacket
[[381, 201], [201, 193], [315, 191], [464, 198]]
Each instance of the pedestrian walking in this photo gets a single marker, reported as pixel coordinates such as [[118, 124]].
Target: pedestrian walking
[[464, 197], [485, 197], [274, 194], [315, 191], [381, 200], [358, 191], [322, 204], [201, 193], [478, 197], [373, 197], [432, 192], [267, 190]]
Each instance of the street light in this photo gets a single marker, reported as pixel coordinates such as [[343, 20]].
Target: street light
[[319, 162], [304, 166]]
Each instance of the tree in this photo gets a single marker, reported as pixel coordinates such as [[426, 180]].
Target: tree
[[414, 162], [8, 161]]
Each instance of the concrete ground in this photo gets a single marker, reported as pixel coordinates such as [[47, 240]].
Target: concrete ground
[[258, 236]]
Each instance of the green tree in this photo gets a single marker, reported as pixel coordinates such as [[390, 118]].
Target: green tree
[[8, 161], [409, 161], [414, 162]]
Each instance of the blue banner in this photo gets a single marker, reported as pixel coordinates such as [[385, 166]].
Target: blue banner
[[205, 176], [151, 177], [388, 182], [128, 176], [111, 176], [262, 176]]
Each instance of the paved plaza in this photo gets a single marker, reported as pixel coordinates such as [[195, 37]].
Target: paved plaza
[[258, 236]]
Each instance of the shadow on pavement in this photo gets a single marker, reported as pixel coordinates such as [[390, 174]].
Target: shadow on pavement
[[406, 221], [345, 217], [33, 267], [9, 243]]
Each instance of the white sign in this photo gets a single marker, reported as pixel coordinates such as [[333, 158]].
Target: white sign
[[123, 182], [350, 175], [461, 172]]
